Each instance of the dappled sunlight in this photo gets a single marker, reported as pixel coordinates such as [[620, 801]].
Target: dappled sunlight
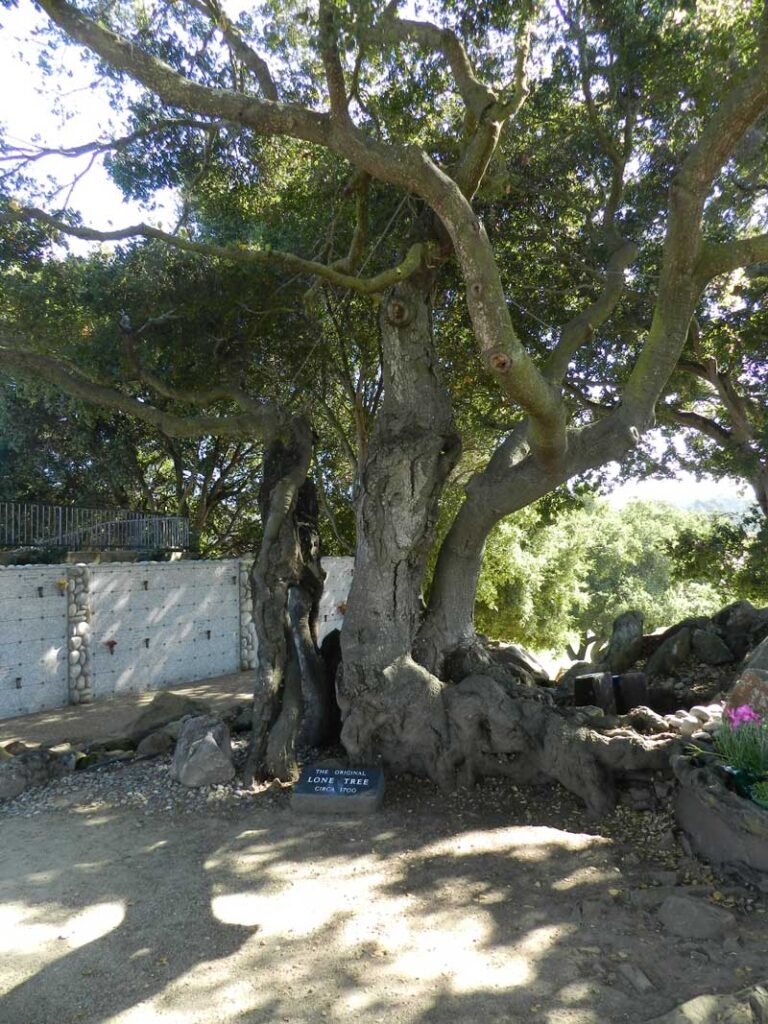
[[524, 842], [311, 921], [588, 875], [25, 937]]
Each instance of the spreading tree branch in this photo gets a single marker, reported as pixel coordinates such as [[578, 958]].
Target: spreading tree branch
[[264, 421], [406, 166], [725, 257], [241, 254]]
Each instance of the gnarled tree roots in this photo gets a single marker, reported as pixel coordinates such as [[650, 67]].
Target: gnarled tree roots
[[491, 726]]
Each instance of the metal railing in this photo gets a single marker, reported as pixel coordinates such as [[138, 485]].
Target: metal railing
[[30, 525]]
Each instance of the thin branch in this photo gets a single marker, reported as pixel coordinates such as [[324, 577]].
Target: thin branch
[[244, 254], [695, 421], [265, 116], [238, 45], [27, 154], [581, 328], [434, 39]]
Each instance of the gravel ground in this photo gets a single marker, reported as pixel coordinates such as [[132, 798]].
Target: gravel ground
[[144, 785]]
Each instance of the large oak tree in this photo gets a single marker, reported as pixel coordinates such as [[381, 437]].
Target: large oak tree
[[642, 111]]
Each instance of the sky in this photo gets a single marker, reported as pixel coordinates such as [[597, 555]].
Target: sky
[[26, 112]]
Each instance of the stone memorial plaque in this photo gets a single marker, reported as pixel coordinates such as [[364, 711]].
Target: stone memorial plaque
[[338, 790]]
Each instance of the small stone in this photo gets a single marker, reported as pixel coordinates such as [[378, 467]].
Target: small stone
[[702, 736], [700, 712], [689, 725]]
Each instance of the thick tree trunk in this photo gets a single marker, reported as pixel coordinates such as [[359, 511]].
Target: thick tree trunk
[[385, 698], [292, 702]]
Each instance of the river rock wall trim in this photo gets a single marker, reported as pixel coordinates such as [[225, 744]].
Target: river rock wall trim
[[80, 660]]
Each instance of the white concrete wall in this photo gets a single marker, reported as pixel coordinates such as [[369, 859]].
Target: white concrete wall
[[173, 622], [33, 639]]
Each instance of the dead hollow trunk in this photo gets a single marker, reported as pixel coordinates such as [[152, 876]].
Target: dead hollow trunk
[[294, 702]]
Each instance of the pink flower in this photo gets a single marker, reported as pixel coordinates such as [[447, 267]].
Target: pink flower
[[742, 716]]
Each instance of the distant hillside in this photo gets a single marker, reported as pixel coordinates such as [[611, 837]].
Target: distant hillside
[[728, 505]]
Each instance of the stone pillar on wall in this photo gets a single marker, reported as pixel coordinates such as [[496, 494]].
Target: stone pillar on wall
[[80, 660], [247, 626]]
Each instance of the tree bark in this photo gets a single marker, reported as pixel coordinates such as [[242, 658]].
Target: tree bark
[[386, 699], [292, 703]]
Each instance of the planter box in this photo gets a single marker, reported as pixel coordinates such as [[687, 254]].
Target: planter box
[[728, 830]]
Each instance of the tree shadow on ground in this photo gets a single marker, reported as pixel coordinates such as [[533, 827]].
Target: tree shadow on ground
[[429, 912]]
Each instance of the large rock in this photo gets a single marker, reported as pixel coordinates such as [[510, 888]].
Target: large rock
[[671, 655], [731, 832], [155, 744], [749, 1006], [751, 689], [517, 657], [742, 626], [626, 642], [692, 918], [165, 708], [707, 647], [203, 753], [758, 659], [32, 768]]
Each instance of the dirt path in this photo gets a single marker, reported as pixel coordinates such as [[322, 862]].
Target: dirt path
[[440, 910]]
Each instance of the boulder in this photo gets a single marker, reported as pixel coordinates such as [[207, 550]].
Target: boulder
[[707, 646], [626, 643], [517, 657], [203, 753], [742, 626], [692, 918], [730, 831], [670, 655], [579, 668], [155, 744], [749, 1006], [32, 768], [758, 659], [752, 689], [165, 707]]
